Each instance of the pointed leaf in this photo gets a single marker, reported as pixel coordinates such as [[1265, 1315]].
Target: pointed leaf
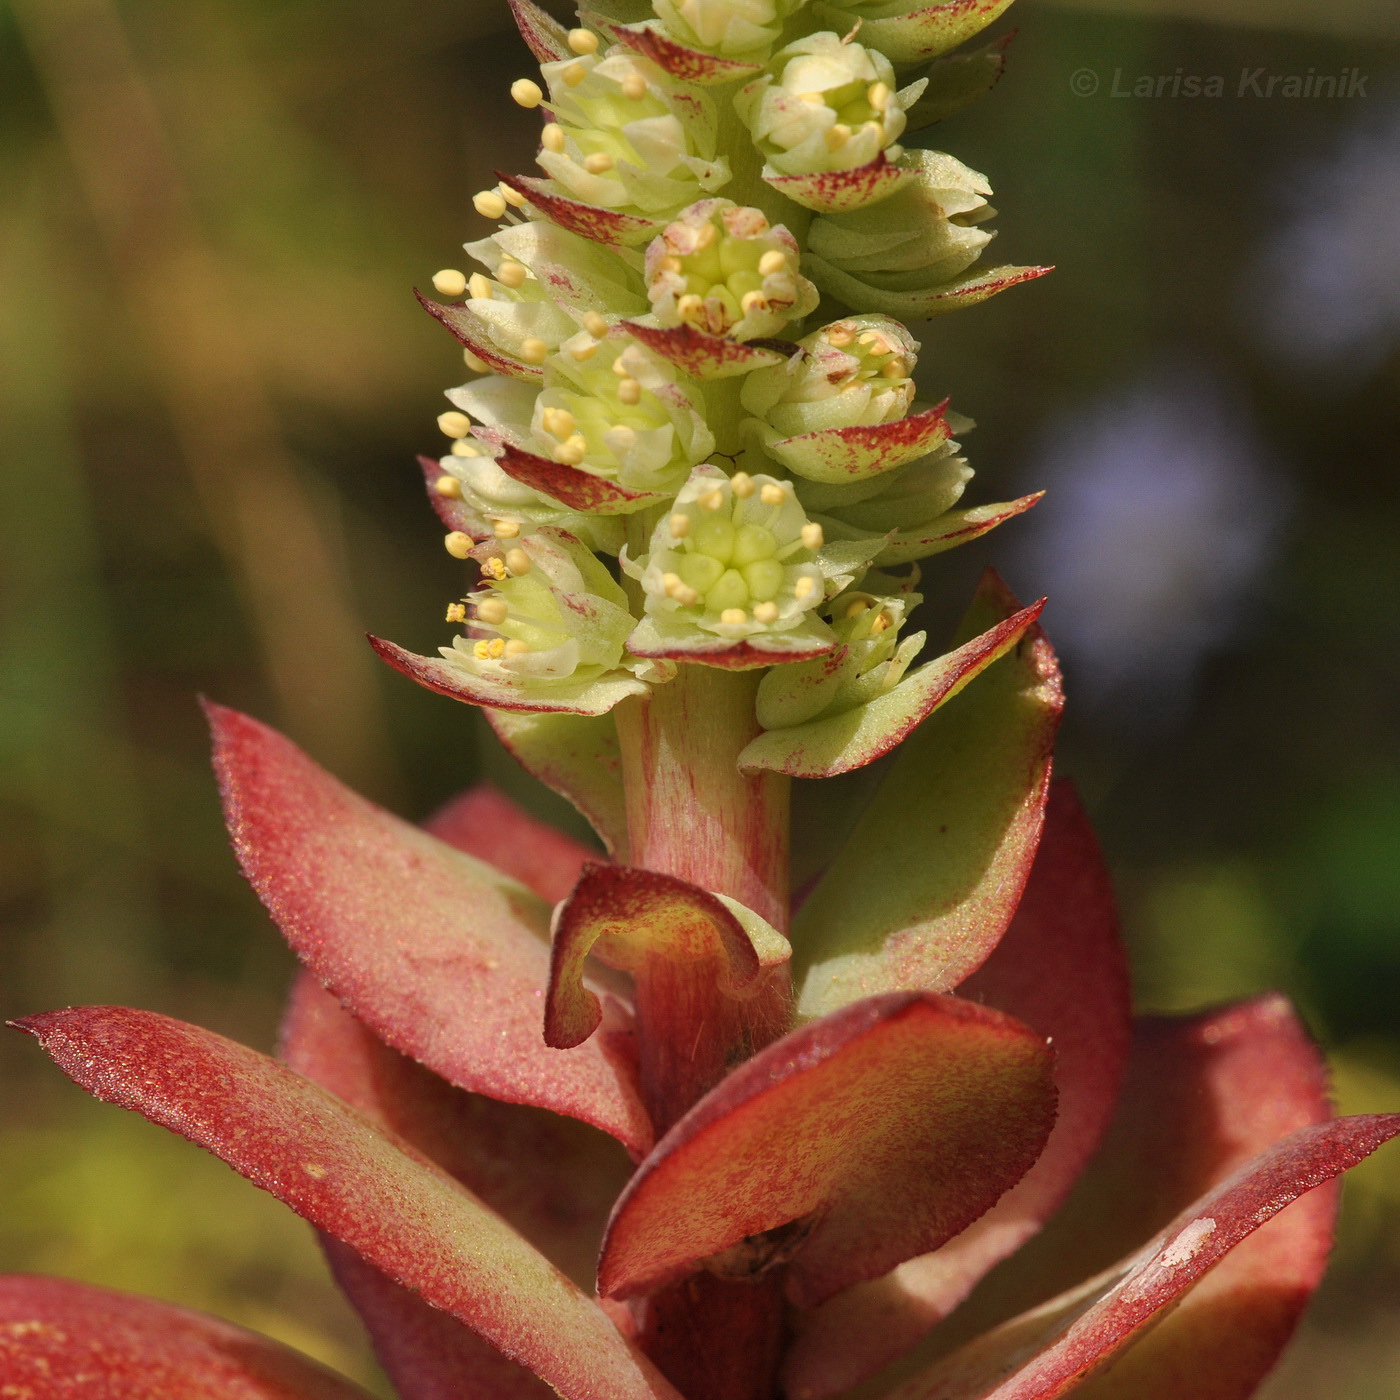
[[587, 220], [61, 1340], [1062, 970], [576, 488], [846, 1147], [403, 1215], [837, 191], [920, 303], [702, 355], [1049, 1352], [453, 511], [473, 332], [841, 455], [625, 916], [508, 1155], [442, 957], [577, 756], [690, 65], [568, 697], [486, 824], [824, 748], [929, 879], [762, 649], [544, 36], [951, 529], [920, 34], [957, 82]]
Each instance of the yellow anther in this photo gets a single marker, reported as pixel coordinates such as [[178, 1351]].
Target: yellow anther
[[583, 41], [679, 525], [494, 568], [450, 282], [558, 422], [489, 204], [481, 651], [458, 544], [463, 448], [454, 424], [492, 611], [765, 613], [526, 93], [691, 307], [585, 351], [804, 587], [517, 561], [634, 87], [712, 500], [595, 325], [511, 196], [813, 537], [533, 350], [479, 286], [857, 606], [894, 369], [456, 612], [842, 334], [705, 235], [743, 485], [475, 362], [574, 74], [629, 391], [670, 263], [495, 648], [672, 583], [599, 163], [772, 261], [817, 99], [734, 617], [877, 127], [572, 452], [505, 529], [837, 135], [772, 494], [448, 486], [878, 95], [552, 138], [753, 301], [881, 623], [511, 274], [515, 647]]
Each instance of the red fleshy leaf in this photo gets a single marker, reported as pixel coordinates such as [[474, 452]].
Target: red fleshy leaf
[[471, 331], [575, 488], [680, 60], [837, 191], [61, 1340], [589, 221], [551, 1178], [842, 454], [702, 355], [400, 1213], [486, 824], [1061, 969], [1045, 1354], [454, 512], [727, 655], [625, 916], [544, 36], [1205, 1095], [850, 1145], [440, 957]]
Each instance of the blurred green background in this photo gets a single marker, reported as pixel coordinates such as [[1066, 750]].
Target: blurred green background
[[215, 379]]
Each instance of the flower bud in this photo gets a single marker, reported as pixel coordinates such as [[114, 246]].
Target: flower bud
[[824, 105], [733, 28], [724, 269], [852, 373]]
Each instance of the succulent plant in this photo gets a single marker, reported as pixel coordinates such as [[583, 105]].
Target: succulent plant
[[651, 1125]]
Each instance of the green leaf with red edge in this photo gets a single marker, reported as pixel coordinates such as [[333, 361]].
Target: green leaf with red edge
[[61, 1340], [1061, 969], [544, 36], [485, 823], [681, 61], [589, 221], [625, 916], [1067, 1344], [394, 1208], [553, 1179], [930, 877], [842, 455], [579, 758], [702, 355], [918, 303], [1205, 1095], [920, 32], [838, 191], [845, 1148], [825, 748], [945, 532], [475, 335], [958, 81], [441, 956]]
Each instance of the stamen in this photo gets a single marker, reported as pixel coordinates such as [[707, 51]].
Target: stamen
[[494, 568], [753, 301], [712, 500], [526, 93], [629, 391], [558, 422], [458, 544], [449, 487], [881, 623], [691, 307], [772, 261], [743, 485], [505, 529], [511, 196], [511, 274], [837, 136], [804, 587], [454, 424], [489, 204], [857, 606], [878, 95], [475, 362], [552, 138], [481, 651], [595, 325], [842, 334], [533, 350], [765, 613], [515, 647], [817, 99], [574, 74], [456, 612], [572, 452], [893, 369], [450, 282], [670, 263], [813, 537], [463, 448], [517, 561], [772, 494], [734, 617], [679, 525], [583, 41], [492, 611], [634, 87], [705, 236], [585, 351], [495, 648], [479, 287], [598, 163]]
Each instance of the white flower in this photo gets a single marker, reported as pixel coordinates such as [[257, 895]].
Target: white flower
[[734, 28]]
